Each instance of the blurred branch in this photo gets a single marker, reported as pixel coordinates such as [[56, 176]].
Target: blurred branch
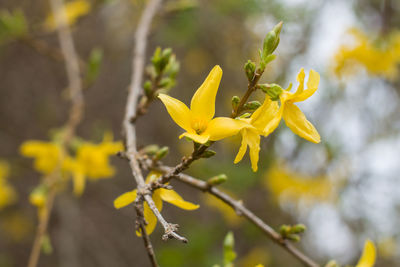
[[45, 49], [75, 116], [241, 210]]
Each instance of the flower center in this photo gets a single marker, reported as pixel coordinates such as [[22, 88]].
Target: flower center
[[199, 125]]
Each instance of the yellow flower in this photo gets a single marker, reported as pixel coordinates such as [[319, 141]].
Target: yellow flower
[[379, 57], [47, 155], [198, 121], [267, 117], [368, 256], [7, 192], [73, 10], [159, 195], [92, 161], [293, 186]]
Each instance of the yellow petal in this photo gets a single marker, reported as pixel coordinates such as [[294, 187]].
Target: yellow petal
[[222, 127], [298, 123], [267, 117], [368, 256], [149, 216], [178, 111], [250, 138], [201, 139], [300, 78], [203, 101], [172, 197], [312, 86], [243, 147], [79, 183], [125, 199], [254, 147]]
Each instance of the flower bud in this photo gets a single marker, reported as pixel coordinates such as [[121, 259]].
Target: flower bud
[[273, 90], [38, 196], [298, 228], [235, 101], [284, 230], [252, 105], [250, 68], [151, 149], [332, 263], [147, 87], [208, 154], [217, 180], [161, 153], [293, 237]]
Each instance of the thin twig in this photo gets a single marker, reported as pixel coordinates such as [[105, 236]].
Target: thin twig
[[135, 88], [41, 229], [245, 212], [75, 116]]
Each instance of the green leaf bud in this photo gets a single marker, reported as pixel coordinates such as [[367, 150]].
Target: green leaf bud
[[293, 237], [161, 153], [235, 101], [151, 149], [298, 228], [250, 68], [94, 64], [217, 180], [252, 105], [208, 154], [284, 230], [147, 88]]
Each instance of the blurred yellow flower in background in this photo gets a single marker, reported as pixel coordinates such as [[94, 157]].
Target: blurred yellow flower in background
[[379, 57], [7, 192], [198, 121], [47, 155], [293, 186], [159, 195], [73, 10], [267, 117], [229, 215], [92, 161], [368, 256]]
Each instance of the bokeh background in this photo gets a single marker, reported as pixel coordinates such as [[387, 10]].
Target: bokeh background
[[345, 189]]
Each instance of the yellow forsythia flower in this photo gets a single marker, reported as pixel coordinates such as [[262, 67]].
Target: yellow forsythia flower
[[73, 10], [267, 117], [294, 186], [159, 195], [368, 256], [92, 161], [379, 57], [7, 192], [198, 121], [47, 155], [229, 215]]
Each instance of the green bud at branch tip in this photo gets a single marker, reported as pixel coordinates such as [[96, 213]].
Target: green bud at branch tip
[[217, 180], [298, 228], [252, 105], [250, 68], [161, 153], [151, 149], [235, 102], [208, 154]]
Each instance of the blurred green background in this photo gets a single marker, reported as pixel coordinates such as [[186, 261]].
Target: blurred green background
[[345, 189]]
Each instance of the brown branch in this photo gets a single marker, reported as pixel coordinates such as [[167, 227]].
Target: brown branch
[[75, 116], [241, 210], [135, 88], [41, 230]]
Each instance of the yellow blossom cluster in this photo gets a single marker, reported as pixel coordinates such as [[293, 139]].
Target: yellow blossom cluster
[[159, 195], [201, 127], [379, 57], [73, 11], [7, 192], [91, 161], [293, 186]]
